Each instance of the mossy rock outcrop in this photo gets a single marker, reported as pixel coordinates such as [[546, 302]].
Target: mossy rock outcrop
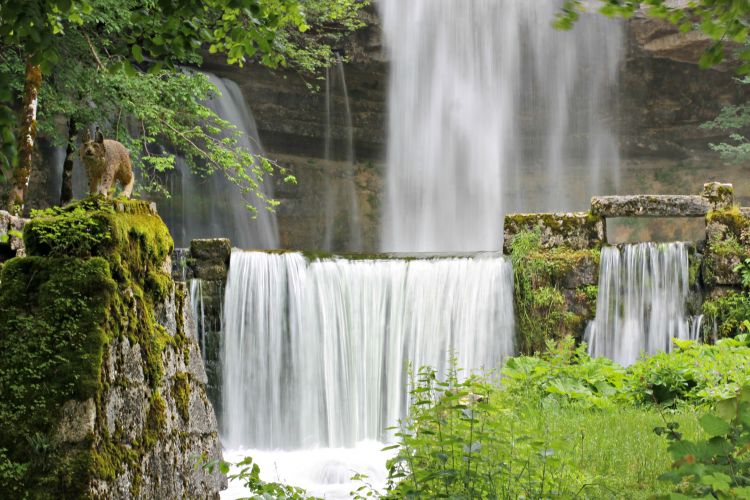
[[555, 288], [102, 388], [727, 245]]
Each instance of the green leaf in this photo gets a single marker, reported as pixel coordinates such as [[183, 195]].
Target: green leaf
[[137, 53], [714, 426]]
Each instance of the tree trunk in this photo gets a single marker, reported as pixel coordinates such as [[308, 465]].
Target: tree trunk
[[26, 138], [66, 192]]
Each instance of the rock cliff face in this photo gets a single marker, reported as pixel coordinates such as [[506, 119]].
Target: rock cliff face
[[102, 388], [663, 98]]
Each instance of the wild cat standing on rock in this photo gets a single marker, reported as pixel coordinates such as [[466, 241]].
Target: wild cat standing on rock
[[106, 161]]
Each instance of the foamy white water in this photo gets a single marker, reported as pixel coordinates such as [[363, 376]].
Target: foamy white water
[[484, 94], [322, 472], [316, 353], [641, 305]]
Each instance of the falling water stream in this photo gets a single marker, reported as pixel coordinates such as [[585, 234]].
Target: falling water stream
[[641, 305], [211, 206], [341, 204], [316, 353], [493, 110]]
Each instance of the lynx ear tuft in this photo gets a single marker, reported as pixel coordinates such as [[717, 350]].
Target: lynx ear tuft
[[99, 136]]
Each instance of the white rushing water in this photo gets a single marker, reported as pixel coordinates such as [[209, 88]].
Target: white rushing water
[[641, 305], [316, 353], [213, 207], [491, 110], [340, 200]]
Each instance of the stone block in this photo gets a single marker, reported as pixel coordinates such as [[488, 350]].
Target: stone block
[[577, 230], [719, 195]]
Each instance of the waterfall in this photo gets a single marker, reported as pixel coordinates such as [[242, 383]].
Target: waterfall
[[492, 110], [641, 305], [195, 286], [213, 207], [316, 353], [344, 195]]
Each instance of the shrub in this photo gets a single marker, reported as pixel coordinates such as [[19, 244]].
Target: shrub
[[465, 439], [566, 372], [695, 372], [719, 466]]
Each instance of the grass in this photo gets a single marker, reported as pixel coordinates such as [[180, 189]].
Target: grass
[[616, 447]]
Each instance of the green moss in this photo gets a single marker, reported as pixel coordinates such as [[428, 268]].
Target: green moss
[[181, 394], [52, 342], [732, 218], [94, 276], [542, 311]]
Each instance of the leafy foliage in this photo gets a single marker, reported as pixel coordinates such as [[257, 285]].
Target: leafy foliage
[[695, 372], [248, 474], [566, 372], [744, 271], [115, 64], [463, 439], [718, 466]]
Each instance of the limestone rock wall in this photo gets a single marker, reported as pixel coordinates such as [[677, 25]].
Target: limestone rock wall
[[102, 387]]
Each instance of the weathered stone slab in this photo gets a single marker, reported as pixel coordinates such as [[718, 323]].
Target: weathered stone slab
[[715, 196], [575, 230], [650, 205]]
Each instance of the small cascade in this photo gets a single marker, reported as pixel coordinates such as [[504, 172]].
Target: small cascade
[[317, 353], [211, 206], [344, 195], [641, 305], [199, 312]]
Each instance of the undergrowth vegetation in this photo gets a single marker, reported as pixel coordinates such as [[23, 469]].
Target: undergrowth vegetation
[[566, 425]]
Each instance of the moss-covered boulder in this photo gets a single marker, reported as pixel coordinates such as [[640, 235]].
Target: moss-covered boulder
[[101, 382], [727, 245]]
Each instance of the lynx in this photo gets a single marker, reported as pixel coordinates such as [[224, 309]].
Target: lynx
[[105, 162]]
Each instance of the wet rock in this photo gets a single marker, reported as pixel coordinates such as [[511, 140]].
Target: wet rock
[[718, 269], [209, 259]]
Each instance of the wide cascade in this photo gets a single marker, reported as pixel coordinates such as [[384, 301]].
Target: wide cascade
[[317, 352], [211, 206], [492, 110], [641, 305]]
